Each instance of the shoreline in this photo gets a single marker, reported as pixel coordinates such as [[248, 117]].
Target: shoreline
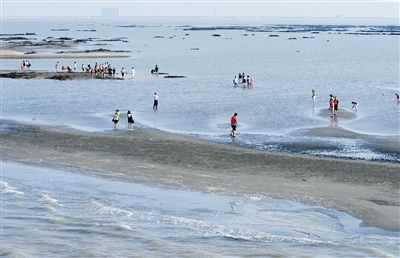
[[367, 190]]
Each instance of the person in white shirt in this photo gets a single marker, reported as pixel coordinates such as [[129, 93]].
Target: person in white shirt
[[133, 72], [155, 104], [235, 82]]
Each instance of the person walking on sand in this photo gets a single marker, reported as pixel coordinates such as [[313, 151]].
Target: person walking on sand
[[116, 119], [122, 71], [57, 65], [155, 103], [130, 120], [398, 98], [234, 124], [313, 96], [75, 66]]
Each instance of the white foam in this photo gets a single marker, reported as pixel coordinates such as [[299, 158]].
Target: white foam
[[49, 199], [210, 230], [255, 197], [7, 189], [106, 209]]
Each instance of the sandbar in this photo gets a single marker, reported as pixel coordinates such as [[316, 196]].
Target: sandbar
[[31, 74], [366, 190]]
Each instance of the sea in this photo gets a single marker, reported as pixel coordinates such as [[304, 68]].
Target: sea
[[59, 213]]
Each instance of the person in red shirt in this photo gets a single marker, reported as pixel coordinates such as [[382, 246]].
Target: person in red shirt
[[234, 124]]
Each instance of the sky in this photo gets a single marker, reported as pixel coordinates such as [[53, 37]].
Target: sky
[[221, 8]]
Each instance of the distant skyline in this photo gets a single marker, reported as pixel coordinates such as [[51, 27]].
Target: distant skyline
[[201, 8]]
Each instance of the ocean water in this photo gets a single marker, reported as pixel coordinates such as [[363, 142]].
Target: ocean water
[[55, 213], [339, 60]]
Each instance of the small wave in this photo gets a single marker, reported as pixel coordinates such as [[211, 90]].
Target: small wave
[[121, 226], [209, 231], [47, 198], [7, 189], [105, 209]]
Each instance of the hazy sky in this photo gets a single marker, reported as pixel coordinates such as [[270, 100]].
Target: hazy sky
[[293, 8]]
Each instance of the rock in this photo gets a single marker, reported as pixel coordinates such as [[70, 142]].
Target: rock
[[54, 75], [19, 75], [174, 76]]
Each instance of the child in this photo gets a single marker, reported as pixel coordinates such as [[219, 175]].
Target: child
[[130, 120], [116, 119]]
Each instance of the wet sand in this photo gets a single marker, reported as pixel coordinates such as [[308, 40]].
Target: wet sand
[[367, 190], [343, 113]]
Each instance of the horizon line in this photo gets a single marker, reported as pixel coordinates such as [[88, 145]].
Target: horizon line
[[202, 16]]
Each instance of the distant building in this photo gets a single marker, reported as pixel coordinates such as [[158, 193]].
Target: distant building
[[109, 12]]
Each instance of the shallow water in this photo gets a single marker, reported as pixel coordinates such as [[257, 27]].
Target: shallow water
[[362, 68], [49, 212]]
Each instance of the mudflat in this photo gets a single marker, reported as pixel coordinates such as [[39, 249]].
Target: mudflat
[[367, 190]]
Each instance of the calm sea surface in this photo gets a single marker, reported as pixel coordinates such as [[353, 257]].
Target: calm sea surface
[[361, 68]]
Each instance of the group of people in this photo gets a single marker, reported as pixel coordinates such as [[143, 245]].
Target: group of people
[[65, 69], [244, 80], [25, 65], [333, 106], [101, 69], [117, 114], [155, 70]]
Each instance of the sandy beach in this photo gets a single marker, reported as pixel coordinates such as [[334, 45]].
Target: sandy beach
[[367, 190], [10, 54]]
